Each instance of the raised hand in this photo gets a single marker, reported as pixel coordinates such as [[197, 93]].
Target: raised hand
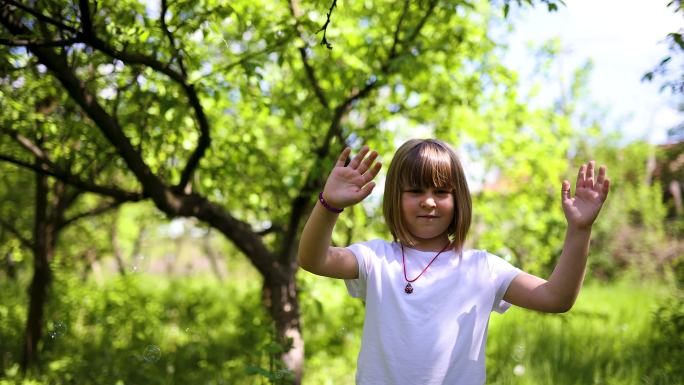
[[350, 184], [582, 209]]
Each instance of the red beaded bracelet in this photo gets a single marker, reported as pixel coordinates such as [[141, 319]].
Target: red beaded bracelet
[[326, 205]]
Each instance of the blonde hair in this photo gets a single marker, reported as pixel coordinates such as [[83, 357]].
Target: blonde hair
[[427, 163]]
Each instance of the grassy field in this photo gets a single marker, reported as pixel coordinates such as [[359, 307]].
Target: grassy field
[[146, 330], [604, 339]]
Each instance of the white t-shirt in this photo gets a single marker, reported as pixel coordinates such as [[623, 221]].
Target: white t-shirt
[[437, 334]]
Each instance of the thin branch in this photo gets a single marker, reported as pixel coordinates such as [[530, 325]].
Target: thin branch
[[24, 241], [101, 209], [37, 43], [246, 57], [395, 42], [38, 15], [423, 20], [313, 181], [28, 145], [75, 181], [310, 73], [165, 28], [324, 28]]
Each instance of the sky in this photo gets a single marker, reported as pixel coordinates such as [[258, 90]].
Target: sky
[[624, 39]]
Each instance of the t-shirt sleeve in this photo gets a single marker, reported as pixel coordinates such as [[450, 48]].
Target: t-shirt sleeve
[[502, 275], [364, 253]]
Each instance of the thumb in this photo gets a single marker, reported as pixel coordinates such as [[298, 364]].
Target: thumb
[[565, 190]]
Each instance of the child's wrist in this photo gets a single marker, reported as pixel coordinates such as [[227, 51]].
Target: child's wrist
[[327, 205]]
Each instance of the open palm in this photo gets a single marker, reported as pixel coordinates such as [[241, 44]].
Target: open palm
[[350, 184], [590, 193]]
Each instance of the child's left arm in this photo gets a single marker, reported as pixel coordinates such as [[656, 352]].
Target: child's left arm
[[558, 294]]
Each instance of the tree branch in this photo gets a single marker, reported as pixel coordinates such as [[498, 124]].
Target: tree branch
[[101, 209], [38, 15], [168, 34], [310, 73], [170, 201], [24, 241], [76, 182], [37, 43], [89, 37], [314, 180], [324, 28]]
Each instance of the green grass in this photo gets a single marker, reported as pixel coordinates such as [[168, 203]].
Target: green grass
[[211, 333], [605, 339]]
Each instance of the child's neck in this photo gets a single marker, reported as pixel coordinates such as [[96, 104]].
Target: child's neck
[[435, 245]]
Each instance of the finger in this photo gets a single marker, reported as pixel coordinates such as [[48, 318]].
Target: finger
[[565, 190], [580, 177], [370, 175], [343, 157], [365, 165], [589, 181], [601, 177], [356, 161], [606, 188], [366, 190]]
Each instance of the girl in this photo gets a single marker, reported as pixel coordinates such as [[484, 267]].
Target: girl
[[427, 298]]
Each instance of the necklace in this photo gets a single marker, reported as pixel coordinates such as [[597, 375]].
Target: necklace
[[409, 289]]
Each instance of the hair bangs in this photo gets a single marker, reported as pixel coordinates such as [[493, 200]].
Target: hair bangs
[[427, 167]]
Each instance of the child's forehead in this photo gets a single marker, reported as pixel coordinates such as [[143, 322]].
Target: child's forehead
[[423, 183]]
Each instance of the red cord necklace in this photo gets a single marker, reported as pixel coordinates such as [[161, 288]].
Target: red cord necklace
[[409, 289]]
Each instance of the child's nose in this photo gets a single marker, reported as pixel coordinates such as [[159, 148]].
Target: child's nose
[[428, 202]]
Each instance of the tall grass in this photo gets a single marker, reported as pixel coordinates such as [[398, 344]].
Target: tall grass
[[605, 339], [213, 333]]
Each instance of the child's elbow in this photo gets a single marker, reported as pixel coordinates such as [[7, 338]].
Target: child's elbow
[[301, 262], [562, 307]]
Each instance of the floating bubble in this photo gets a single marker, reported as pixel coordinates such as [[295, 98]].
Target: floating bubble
[[152, 354], [58, 329], [136, 265], [519, 370]]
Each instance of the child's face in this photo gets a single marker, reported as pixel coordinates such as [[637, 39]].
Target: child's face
[[427, 213]]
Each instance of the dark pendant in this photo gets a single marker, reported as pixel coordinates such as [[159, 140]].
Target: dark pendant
[[408, 289]]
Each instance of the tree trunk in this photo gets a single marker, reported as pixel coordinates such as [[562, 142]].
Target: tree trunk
[[116, 247], [281, 300], [210, 253], [42, 253]]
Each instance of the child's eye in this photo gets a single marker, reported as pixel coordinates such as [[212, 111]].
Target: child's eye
[[414, 190], [442, 192]]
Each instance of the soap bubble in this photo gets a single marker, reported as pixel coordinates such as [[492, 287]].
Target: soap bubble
[[136, 265], [152, 354], [519, 370]]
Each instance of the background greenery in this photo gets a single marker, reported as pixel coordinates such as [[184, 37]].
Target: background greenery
[[139, 298]]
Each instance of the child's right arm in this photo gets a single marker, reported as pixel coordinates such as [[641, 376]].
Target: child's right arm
[[346, 186]]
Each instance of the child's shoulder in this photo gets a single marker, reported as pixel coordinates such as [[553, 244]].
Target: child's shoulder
[[482, 255], [375, 244]]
